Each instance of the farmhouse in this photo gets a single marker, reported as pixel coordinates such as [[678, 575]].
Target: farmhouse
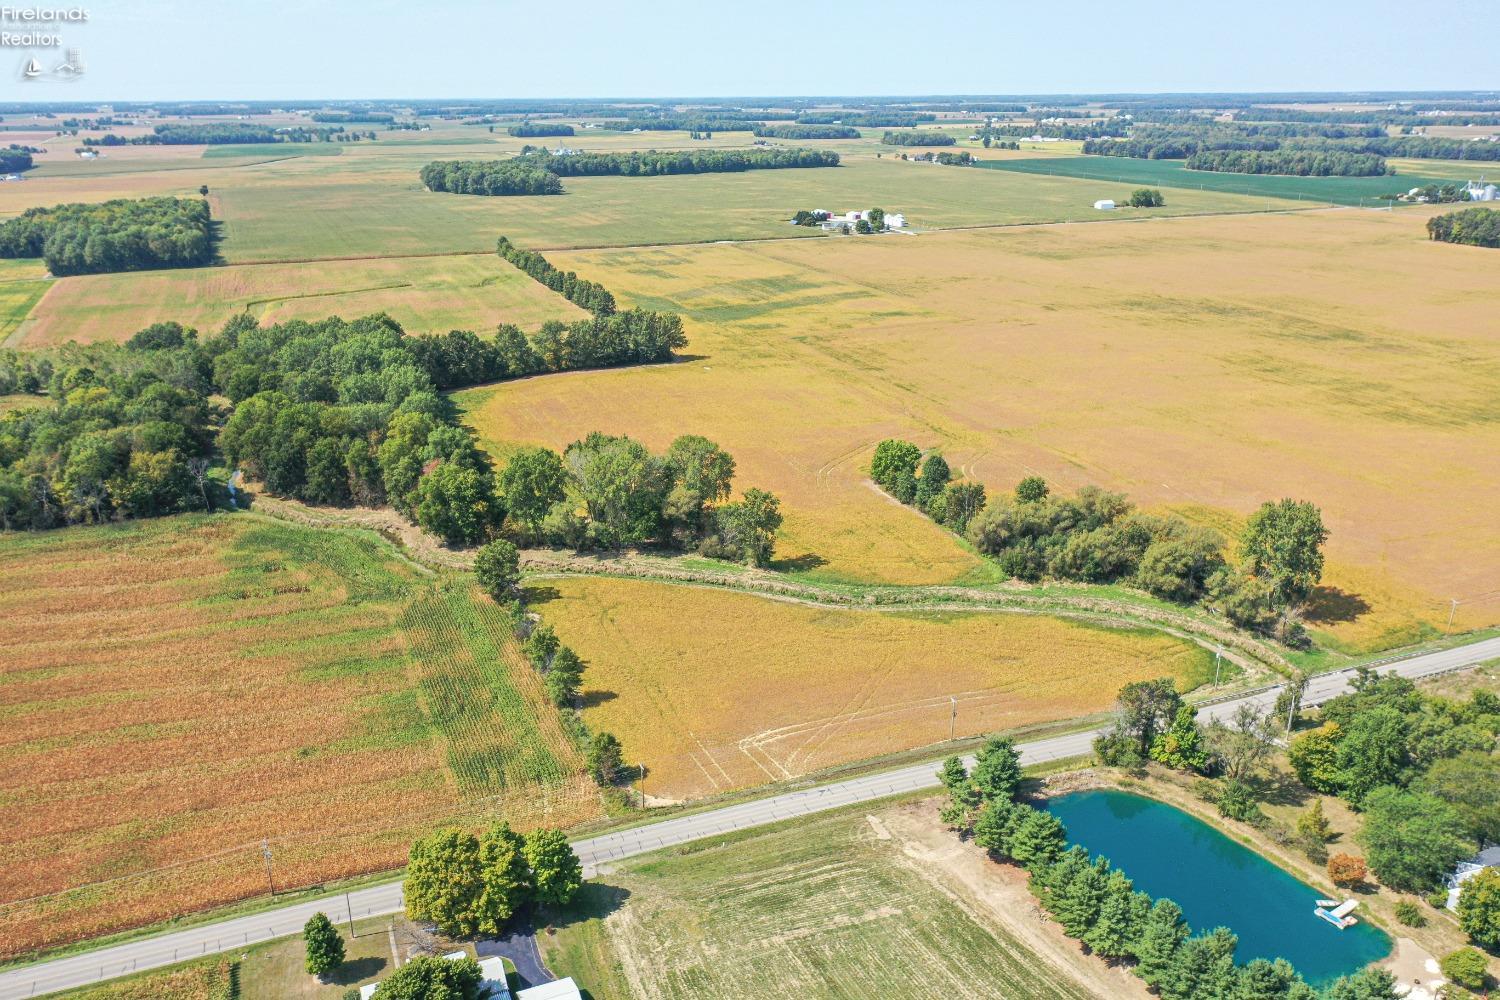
[[1487, 858]]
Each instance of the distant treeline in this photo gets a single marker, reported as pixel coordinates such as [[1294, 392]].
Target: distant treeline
[[867, 119], [1478, 227], [588, 295], [1393, 116], [1183, 139], [532, 130], [917, 137], [354, 117], [684, 123], [1287, 160], [538, 172], [121, 235], [490, 177], [1091, 130], [806, 132], [217, 134], [694, 161]]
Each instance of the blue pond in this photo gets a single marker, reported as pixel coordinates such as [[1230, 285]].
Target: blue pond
[[1217, 882]]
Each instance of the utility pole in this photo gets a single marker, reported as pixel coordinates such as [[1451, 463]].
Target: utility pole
[[1291, 710], [1217, 653], [349, 909], [265, 850], [953, 720], [1452, 610]]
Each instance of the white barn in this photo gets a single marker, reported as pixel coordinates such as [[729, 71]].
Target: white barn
[[1105, 205]]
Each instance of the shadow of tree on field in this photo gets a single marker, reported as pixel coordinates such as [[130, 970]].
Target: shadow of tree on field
[[1330, 605], [534, 593], [592, 698], [793, 564]]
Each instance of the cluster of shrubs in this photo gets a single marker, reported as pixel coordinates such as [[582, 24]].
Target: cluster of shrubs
[[588, 295], [960, 159], [1098, 905], [918, 137], [1476, 227], [127, 234], [1099, 537]]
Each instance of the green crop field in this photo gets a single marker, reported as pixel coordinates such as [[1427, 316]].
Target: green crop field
[[1172, 173], [267, 149], [828, 908]]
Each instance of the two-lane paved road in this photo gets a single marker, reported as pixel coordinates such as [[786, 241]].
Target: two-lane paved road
[[597, 852]]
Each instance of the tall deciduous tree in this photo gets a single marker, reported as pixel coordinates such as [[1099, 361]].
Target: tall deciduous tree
[[556, 872], [324, 945], [497, 566], [531, 483], [1283, 543]]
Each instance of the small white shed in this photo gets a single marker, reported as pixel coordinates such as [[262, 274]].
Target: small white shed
[[1105, 205]]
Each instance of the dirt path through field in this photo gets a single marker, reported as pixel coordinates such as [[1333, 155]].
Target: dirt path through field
[[997, 894]]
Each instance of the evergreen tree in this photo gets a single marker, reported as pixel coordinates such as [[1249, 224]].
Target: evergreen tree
[[1049, 882], [1038, 839], [1112, 934], [991, 829], [1161, 939], [325, 947], [997, 769], [1077, 904]]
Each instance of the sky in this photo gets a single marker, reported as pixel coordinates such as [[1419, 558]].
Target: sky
[[349, 49]]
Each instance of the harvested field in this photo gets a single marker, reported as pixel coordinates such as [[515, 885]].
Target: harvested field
[[833, 907], [176, 690], [424, 294], [714, 690], [1334, 356]]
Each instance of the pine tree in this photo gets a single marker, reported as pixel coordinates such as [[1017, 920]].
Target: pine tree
[[1048, 883], [1039, 838], [1112, 935], [997, 769], [1078, 904], [991, 829], [1161, 939], [1313, 825], [325, 947]]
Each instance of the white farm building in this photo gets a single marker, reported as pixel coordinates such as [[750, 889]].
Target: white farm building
[[1487, 858], [1480, 191], [1105, 205]]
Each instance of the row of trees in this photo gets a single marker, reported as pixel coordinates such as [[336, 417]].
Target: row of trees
[[867, 119], [489, 177], [588, 295], [607, 492], [651, 163], [1098, 537], [1286, 160], [1064, 130], [700, 122], [806, 131], [533, 130], [1099, 906], [1476, 227], [918, 137], [127, 234]]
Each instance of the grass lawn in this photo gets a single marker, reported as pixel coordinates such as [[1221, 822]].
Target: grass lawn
[[209, 979], [824, 908]]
